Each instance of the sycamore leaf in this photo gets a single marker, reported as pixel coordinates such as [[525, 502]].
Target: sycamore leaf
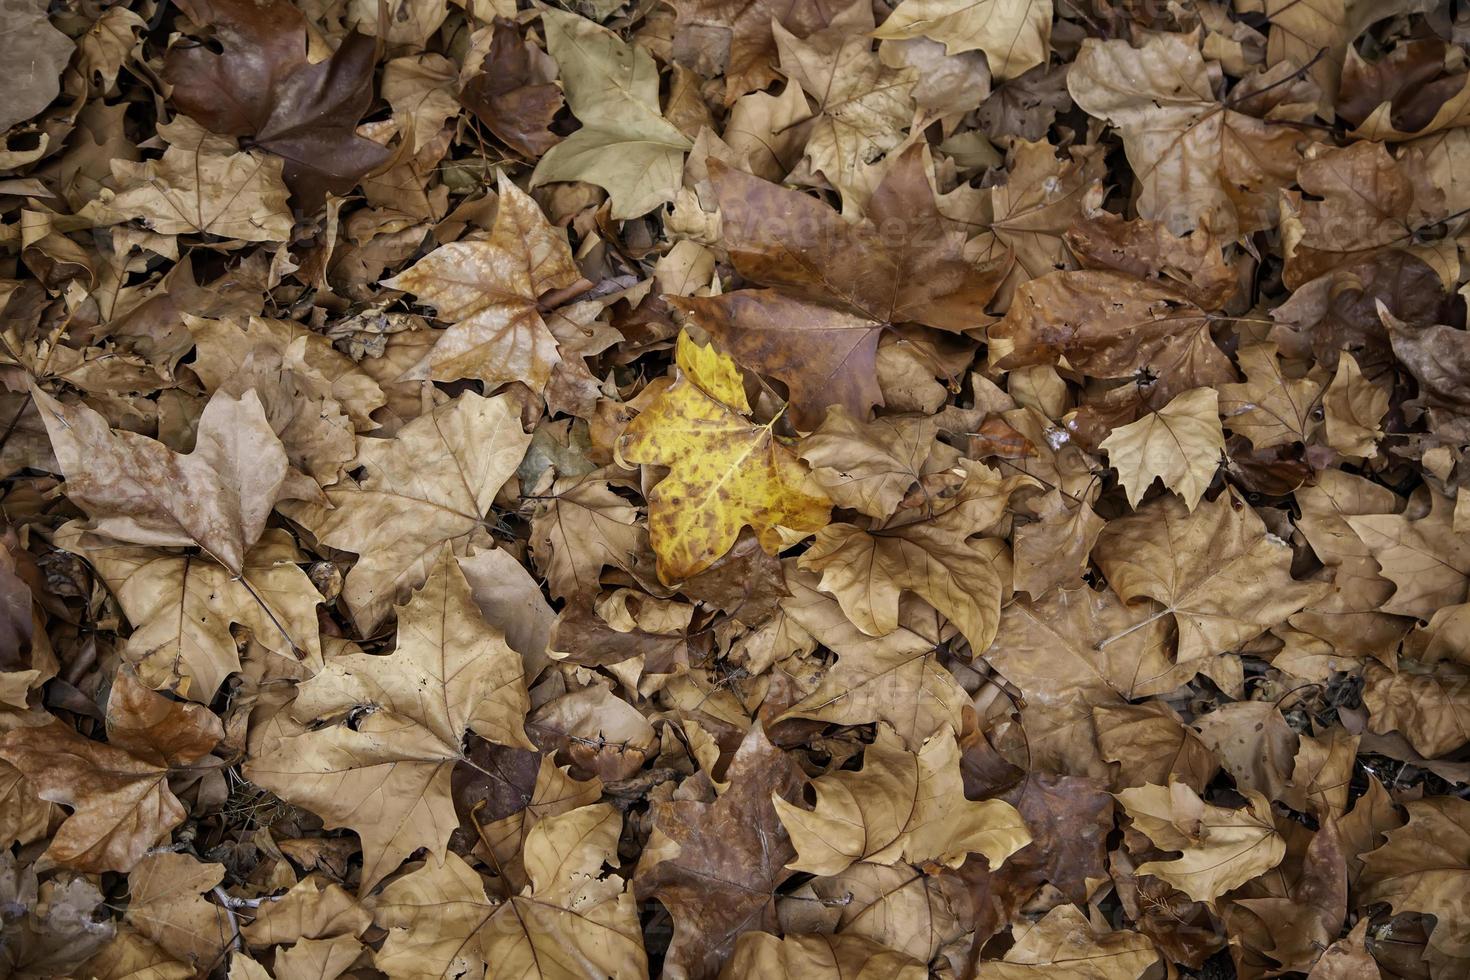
[[897, 905], [568, 922], [900, 804], [515, 93], [386, 774], [1064, 945], [820, 957], [135, 489], [930, 555], [1052, 551], [725, 472], [1194, 264], [896, 678], [1151, 745], [1201, 162], [579, 527], [869, 467], [863, 105], [743, 34], [35, 55], [182, 608], [489, 290], [1031, 213], [1014, 34], [716, 866], [1216, 570], [1428, 703], [118, 791], [1180, 444], [625, 144], [1362, 200], [200, 186], [1117, 328], [1353, 408], [263, 84], [838, 285], [1425, 867], [1220, 848], [1269, 408], [432, 483], [1318, 34], [165, 907], [50, 929], [1425, 559]]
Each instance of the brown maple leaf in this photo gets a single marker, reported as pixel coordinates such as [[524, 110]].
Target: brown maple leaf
[[837, 286], [263, 86], [716, 866]]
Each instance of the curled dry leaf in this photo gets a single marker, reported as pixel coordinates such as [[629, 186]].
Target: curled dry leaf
[[1220, 848], [119, 793], [900, 804], [386, 774]]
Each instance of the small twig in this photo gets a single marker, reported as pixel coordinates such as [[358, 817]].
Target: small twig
[[225, 900]]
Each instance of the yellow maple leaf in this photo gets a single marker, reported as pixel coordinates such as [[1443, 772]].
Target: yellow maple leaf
[[725, 471]]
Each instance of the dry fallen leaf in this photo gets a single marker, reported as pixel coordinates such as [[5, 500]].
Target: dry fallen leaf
[[725, 471], [723, 488]]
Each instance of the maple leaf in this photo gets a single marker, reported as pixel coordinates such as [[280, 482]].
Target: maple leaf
[[568, 921], [183, 608], [855, 818], [443, 468], [716, 866], [1423, 868], [725, 472], [1220, 848], [489, 289], [1116, 328], [218, 497], [386, 774], [625, 145], [1201, 162], [1179, 444], [929, 554], [863, 105], [896, 678], [820, 957], [264, 86], [1216, 570], [839, 285], [1065, 945], [118, 791], [1014, 34], [514, 93]]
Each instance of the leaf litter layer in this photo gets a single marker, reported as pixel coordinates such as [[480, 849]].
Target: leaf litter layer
[[716, 490]]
